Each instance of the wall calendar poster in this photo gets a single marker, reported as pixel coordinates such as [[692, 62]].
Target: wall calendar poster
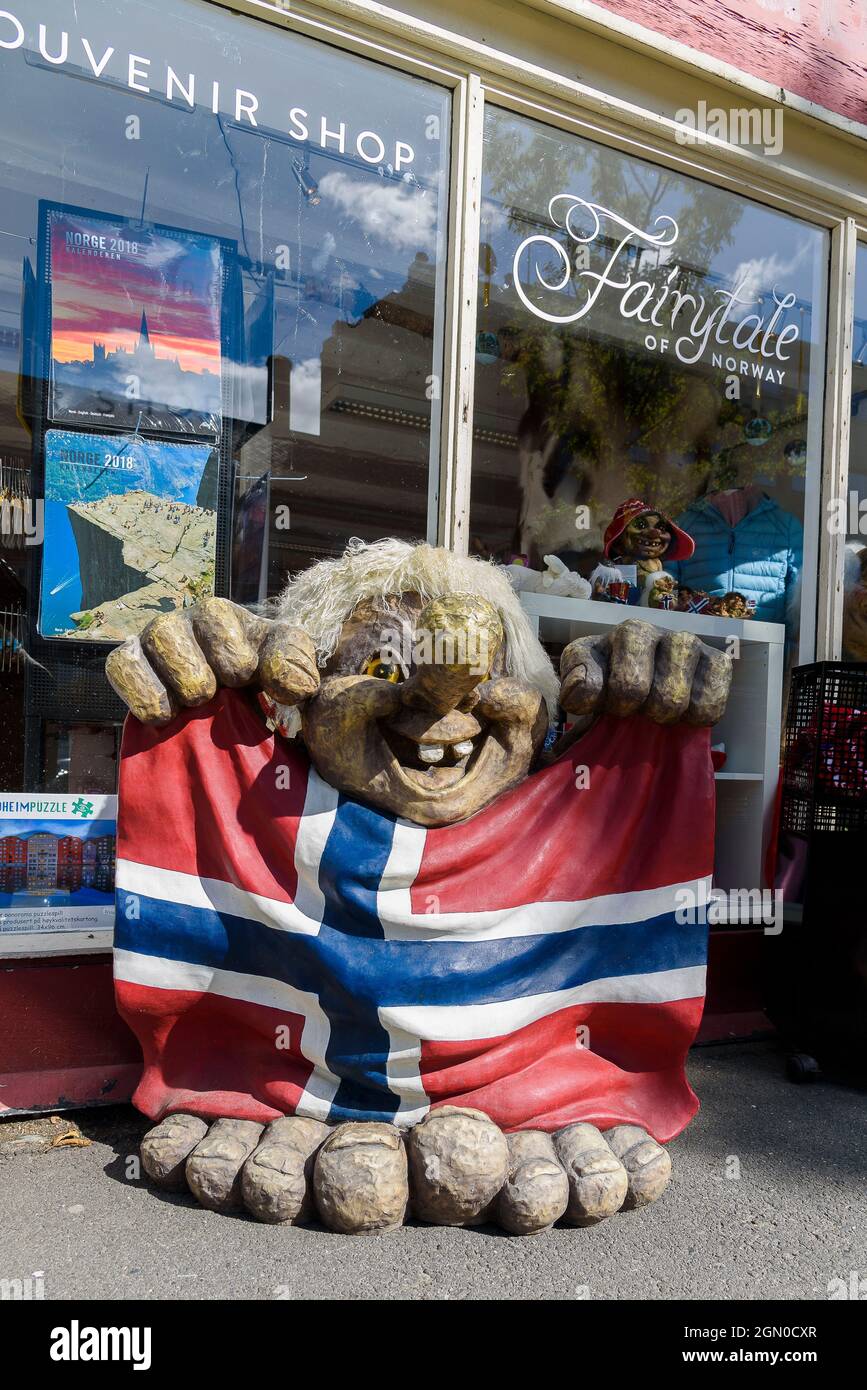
[[130, 532], [136, 315]]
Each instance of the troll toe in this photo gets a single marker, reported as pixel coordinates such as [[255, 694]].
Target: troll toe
[[458, 1163], [166, 1148], [647, 1164], [213, 1169], [536, 1191], [360, 1178], [598, 1181], [277, 1178]]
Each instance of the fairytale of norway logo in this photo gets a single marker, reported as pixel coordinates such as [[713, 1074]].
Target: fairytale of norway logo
[[687, 324]]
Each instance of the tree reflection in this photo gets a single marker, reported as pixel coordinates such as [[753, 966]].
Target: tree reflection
[[603, 417]]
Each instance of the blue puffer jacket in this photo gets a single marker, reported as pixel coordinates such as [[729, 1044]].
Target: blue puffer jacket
[[761, 557]]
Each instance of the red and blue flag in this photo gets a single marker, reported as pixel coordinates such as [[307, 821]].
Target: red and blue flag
[[282, 948]]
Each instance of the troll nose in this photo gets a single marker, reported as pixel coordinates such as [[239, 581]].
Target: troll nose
[[456, 641]]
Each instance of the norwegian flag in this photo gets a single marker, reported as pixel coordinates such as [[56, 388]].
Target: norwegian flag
[[283, 949]]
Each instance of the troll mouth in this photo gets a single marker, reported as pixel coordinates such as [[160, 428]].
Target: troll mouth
[[430, 765]]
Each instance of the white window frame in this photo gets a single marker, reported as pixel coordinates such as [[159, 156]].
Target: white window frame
[[823, 552], [476, 74]]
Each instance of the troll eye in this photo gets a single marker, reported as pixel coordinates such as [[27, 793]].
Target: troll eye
[[382, 670]]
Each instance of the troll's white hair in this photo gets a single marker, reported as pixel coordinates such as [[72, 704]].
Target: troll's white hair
[[321, 598]]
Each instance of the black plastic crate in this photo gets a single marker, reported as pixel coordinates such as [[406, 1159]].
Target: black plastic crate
[[825, 749]]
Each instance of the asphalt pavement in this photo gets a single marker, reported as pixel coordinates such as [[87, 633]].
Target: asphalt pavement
[[768, 1200]]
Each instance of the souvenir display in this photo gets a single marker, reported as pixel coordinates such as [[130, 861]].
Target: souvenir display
[[615, 583], [56, 863], [408, 898], [135, 324], [130, 531], [663, 591], [556, 579], [732, 605], [136, 315], [639, 541]]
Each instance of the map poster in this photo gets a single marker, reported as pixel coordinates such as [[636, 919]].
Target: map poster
[[135, 325], [130, 532], [57, 858]]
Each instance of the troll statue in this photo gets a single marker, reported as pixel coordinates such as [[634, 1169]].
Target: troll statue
[[385, 951]]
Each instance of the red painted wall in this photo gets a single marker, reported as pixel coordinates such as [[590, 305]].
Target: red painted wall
[[62, 1042], [815, 48]]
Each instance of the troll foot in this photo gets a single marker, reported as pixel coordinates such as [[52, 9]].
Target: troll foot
[[455, 1168]]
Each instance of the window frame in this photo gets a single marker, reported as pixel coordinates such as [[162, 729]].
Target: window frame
[[478, 74], [410, 59], [821, 625]]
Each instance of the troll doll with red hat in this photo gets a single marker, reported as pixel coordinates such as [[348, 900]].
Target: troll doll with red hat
[[639, 540]]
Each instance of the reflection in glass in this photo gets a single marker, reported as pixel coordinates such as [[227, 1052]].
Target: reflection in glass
[[292, 202], [642, 335]]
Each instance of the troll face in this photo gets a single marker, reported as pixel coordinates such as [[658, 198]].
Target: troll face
[[416, 714], [648, 537], [410, 672], [641, 535]]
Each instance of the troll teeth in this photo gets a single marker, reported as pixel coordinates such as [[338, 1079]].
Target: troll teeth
[[431, 753], [464, 749]]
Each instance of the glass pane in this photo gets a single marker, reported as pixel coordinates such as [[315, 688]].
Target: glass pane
[[643, 335], [854, 519], [81, 757], [222, 258]]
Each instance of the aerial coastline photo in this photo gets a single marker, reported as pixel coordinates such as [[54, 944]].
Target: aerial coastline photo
[[130, 532]]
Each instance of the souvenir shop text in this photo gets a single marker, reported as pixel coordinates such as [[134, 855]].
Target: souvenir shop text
[[141, 73]]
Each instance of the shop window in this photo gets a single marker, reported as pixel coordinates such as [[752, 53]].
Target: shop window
[[221, 320], [644, 335], [81, 757], [852, 516]]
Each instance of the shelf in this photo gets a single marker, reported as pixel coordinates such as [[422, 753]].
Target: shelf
[[592, 614], [739, 776]]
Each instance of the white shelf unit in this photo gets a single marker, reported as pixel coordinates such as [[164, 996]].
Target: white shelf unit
[[750, 727]]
